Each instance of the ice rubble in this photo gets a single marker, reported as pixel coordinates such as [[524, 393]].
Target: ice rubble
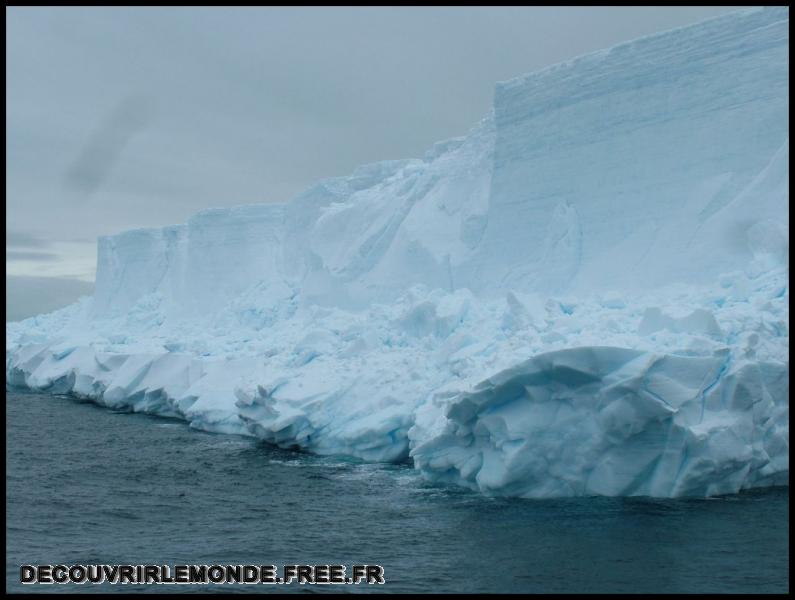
[[587, 294]]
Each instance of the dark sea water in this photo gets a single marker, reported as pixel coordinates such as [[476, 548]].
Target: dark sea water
[[86, 485]]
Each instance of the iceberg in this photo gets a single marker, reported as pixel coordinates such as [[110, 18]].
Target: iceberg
[[587, 294]]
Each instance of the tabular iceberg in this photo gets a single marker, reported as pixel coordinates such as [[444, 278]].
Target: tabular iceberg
[[587, 294]]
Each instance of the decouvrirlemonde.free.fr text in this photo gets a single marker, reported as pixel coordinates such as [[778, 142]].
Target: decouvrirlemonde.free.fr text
[[201, 574]]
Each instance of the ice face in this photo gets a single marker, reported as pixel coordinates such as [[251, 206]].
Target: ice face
[[587, 294], [612, 421]]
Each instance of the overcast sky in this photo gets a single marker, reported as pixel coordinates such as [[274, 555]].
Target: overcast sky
[[119, 118]]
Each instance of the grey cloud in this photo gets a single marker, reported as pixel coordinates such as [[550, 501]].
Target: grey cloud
[[28, 255], [30, 296], [22, 239]]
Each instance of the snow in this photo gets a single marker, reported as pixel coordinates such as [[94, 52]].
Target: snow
[[587, 294]]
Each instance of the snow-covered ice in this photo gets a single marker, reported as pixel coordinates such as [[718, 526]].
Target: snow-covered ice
[[587, 294]]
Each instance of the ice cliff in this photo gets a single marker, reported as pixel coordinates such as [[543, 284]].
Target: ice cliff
[[586, 294]]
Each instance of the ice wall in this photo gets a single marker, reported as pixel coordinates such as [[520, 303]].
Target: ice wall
[[586, 294], [197, 267], [607, 168], [605, 171]]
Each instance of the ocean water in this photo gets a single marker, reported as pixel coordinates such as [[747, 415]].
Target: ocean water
[[88, 485]]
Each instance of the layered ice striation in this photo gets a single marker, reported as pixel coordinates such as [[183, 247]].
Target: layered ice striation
[[585, 295]]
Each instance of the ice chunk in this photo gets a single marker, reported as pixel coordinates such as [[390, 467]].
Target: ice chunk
[[610, 421]]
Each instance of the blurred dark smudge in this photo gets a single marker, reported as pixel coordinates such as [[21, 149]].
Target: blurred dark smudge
[[103, 149]]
